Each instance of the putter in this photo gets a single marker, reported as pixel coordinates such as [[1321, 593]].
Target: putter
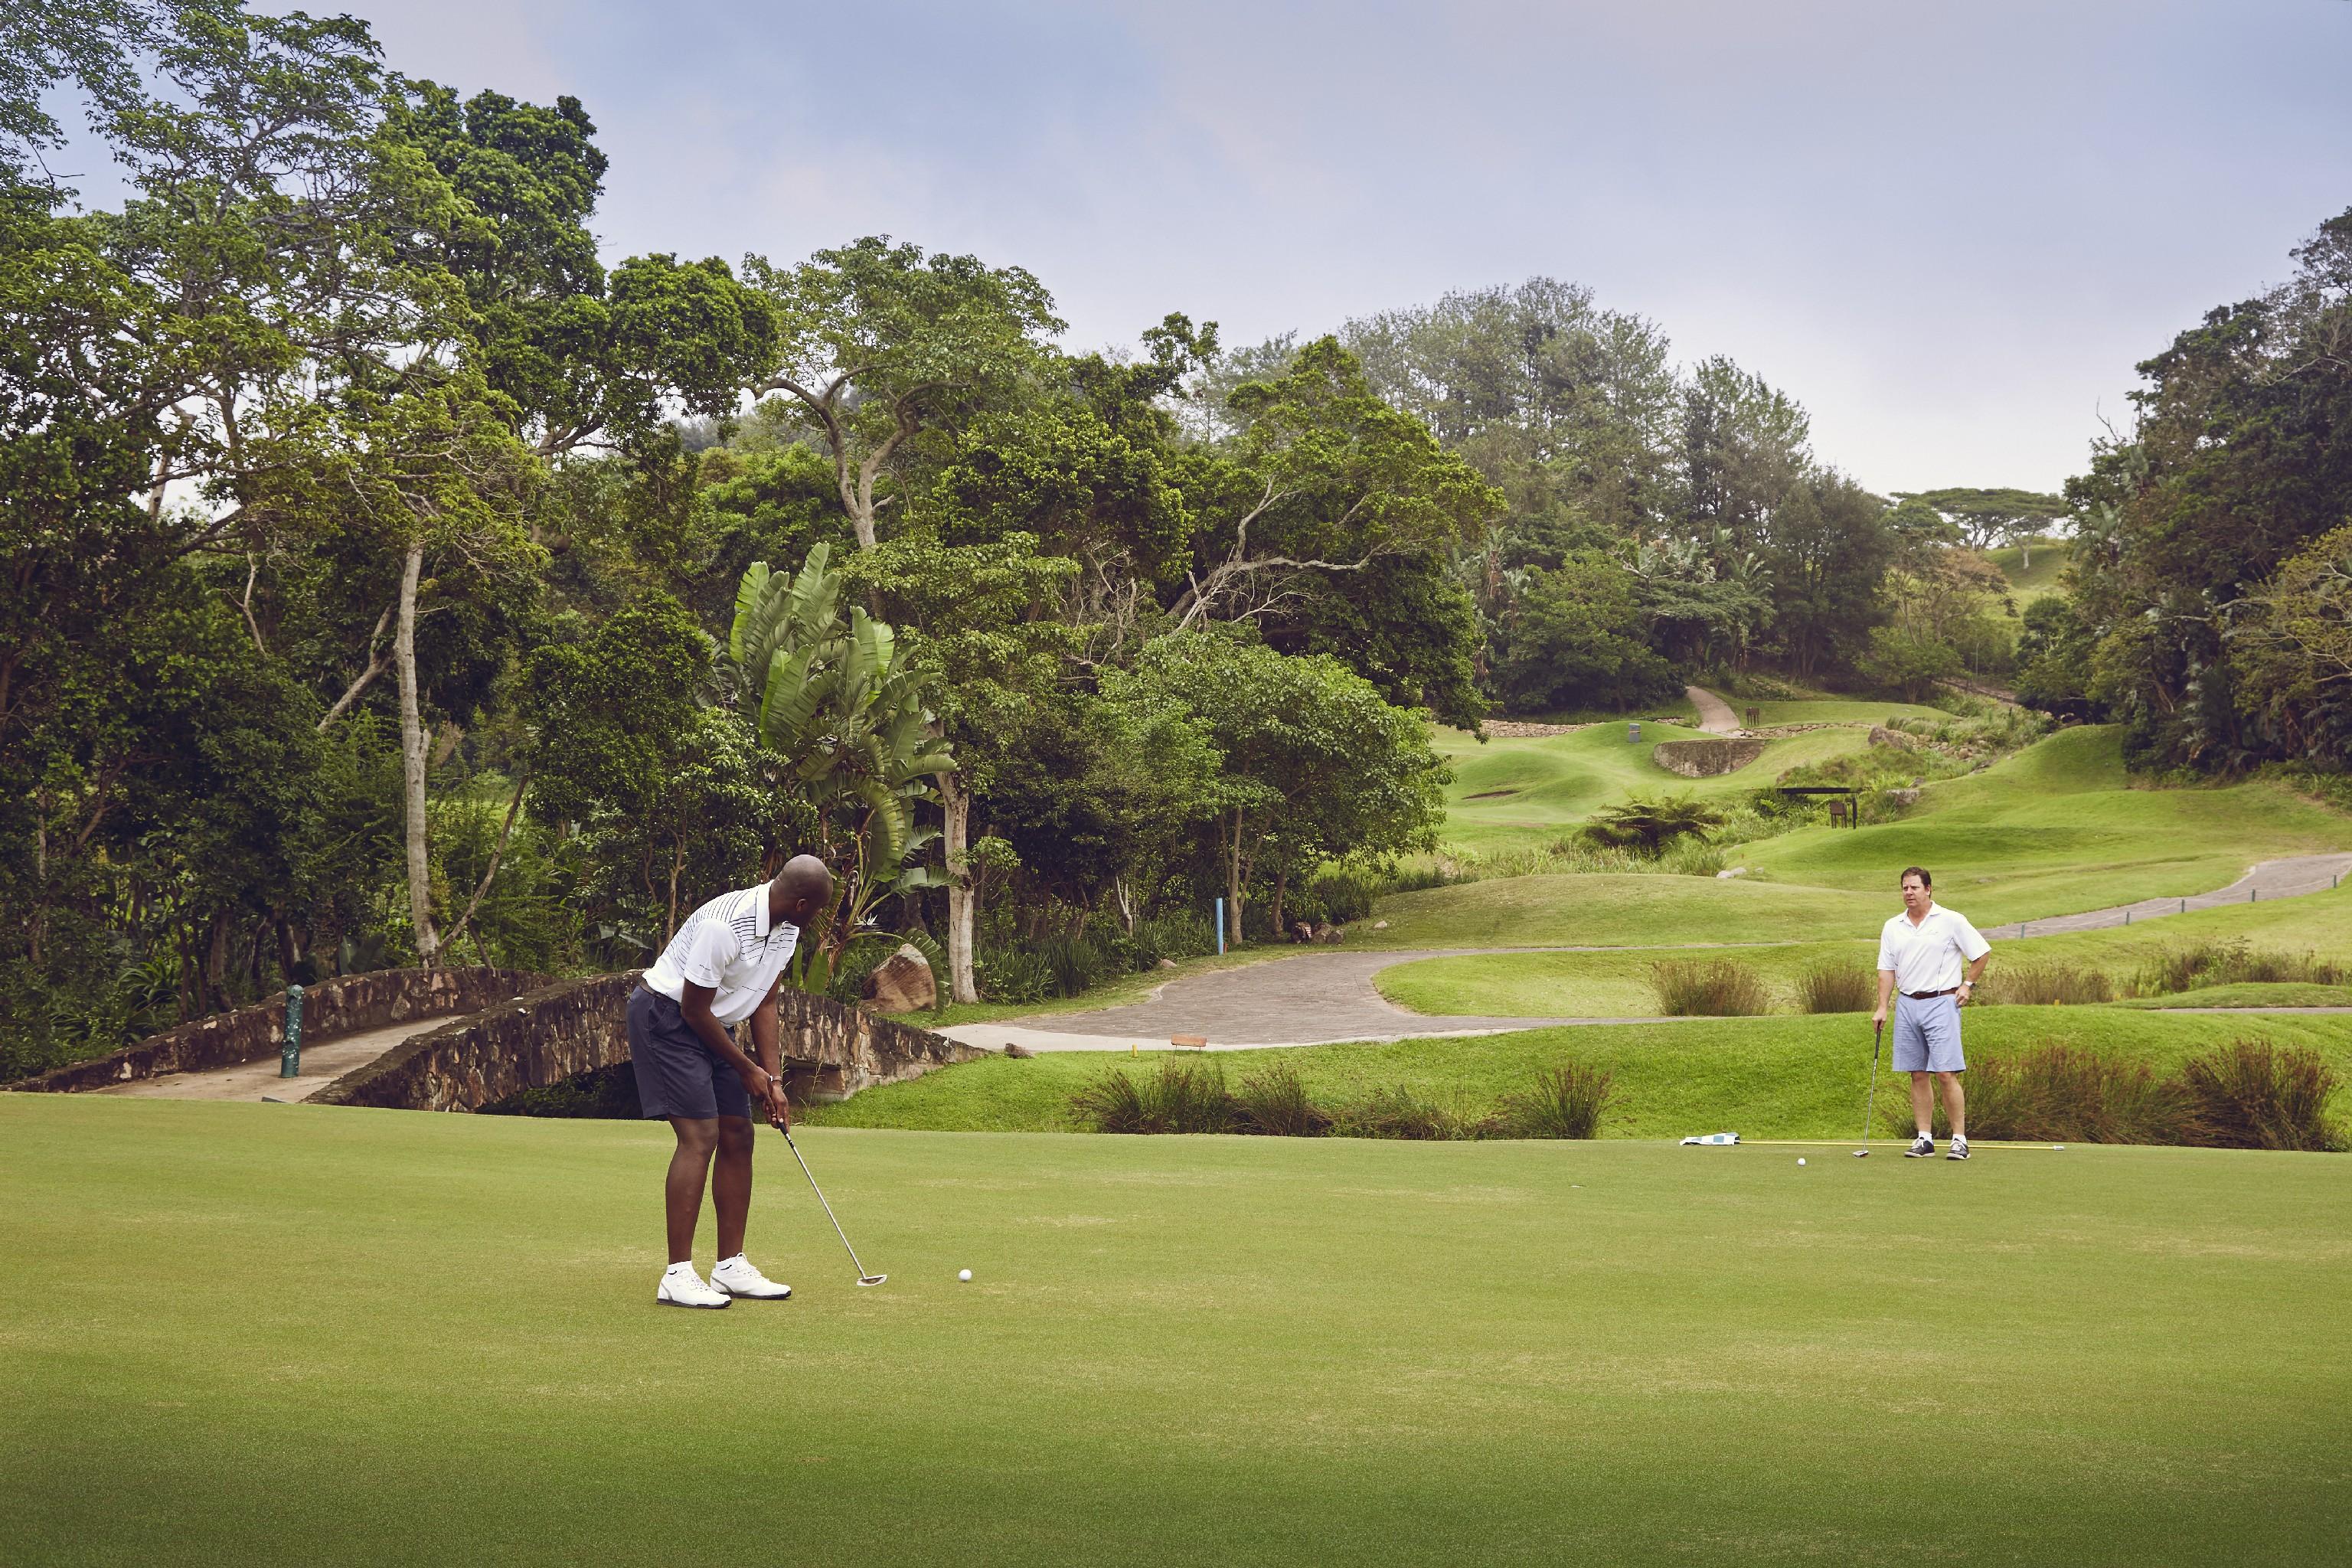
[[863, 1276], [1870, 1106]]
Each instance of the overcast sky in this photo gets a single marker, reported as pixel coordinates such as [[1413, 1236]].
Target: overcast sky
[[1949, 228]]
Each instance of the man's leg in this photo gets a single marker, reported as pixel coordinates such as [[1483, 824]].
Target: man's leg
[[1956, 1103], [689, 1169], [730, 1184], [1923, 1102]]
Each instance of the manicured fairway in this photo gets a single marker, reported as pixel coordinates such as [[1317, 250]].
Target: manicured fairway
[[1617, 983], [2061, 827], [1527, 792], [260, 1335]]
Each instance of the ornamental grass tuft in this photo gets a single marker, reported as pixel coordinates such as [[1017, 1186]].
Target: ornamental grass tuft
[[1708, 988]]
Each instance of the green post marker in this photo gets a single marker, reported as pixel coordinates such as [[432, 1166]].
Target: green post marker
[[289, 1055]]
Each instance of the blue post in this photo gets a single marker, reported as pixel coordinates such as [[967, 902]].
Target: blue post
[[1221, 928], [289, 1055]]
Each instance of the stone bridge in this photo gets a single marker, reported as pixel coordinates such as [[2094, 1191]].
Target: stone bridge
[[515, 1031]]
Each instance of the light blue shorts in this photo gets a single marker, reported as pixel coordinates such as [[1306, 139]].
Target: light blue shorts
[[1927, 1035]]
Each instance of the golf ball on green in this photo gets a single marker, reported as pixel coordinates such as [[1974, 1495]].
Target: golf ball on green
[[1801, 1159], [965, 1275]]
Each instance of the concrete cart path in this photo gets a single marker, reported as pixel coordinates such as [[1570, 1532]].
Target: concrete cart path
[[1312, 998], [322, 1064], [2288, 877], [1318, 998], [1715, 715]]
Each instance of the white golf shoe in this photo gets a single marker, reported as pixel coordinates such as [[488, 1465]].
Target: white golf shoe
[[682, 1286], [738, 1276]]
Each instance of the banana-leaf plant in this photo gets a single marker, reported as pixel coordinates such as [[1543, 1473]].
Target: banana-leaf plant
[[832, 694]]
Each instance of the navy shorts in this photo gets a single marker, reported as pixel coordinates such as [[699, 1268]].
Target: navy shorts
[[678, 1075]]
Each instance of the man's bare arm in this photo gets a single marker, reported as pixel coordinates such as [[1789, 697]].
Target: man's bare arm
[[767, 1039]]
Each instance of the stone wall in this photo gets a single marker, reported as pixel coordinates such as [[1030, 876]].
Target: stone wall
[[342, 1005], [1706, 759], [573, 1026]]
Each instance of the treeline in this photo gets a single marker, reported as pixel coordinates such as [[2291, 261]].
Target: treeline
[[392, 580], [2209, 603]]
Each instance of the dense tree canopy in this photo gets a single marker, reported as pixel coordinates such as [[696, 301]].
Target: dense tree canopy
[[396, 578]]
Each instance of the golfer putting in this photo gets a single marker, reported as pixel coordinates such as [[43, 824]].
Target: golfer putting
[[722, 967], [1929, 960]]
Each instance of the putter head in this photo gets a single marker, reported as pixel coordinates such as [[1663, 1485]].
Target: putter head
[[1862, 1153], [872, 1279]]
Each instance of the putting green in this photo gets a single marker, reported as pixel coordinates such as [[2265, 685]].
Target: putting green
[[254, 1334]]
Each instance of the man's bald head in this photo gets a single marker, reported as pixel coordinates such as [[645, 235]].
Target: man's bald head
[[802, 890]]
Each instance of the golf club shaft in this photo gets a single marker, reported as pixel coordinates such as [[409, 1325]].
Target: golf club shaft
[[820, 1198], [1870, 1106]]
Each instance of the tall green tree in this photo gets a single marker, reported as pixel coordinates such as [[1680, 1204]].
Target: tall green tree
[[1316, 765], [881, 344]]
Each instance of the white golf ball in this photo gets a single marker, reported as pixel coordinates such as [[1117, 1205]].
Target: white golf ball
[[1801, 1159], [965, 1275]]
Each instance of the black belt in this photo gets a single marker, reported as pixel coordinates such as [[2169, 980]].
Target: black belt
[[1931, 995]]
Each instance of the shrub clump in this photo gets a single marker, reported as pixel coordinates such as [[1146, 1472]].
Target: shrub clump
[[1837, 988], [1647, 827], [2046, 984], [1273, 1100], [1190, 1095], [1708, 988], [2211, 963], [2249, 1094], [1564, 1101], [1399, 1113], [1181, 1097]]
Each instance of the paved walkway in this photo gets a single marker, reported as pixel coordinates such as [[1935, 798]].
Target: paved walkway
[[1312, 998], [322, 1064], [1715, 715], [1318, 998], [2286, 879]]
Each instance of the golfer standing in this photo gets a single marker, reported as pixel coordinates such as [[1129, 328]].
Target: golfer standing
[[722, 967], [1933, 957]]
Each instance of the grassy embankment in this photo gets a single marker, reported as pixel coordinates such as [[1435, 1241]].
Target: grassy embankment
[[1766, 1077], [2038, 580], [366, 1336], [1517, 794]]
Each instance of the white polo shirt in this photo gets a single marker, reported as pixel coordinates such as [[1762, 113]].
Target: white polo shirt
[[1933, 954], [728, 945]]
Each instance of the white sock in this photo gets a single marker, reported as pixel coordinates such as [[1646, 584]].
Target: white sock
[[686, 1267], [725, 1261]]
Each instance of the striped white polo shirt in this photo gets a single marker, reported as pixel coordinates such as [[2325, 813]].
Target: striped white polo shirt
[[728, 945]]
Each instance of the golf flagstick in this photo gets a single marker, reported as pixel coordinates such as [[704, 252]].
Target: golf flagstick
[[1870, 1106], [863, 1276]]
